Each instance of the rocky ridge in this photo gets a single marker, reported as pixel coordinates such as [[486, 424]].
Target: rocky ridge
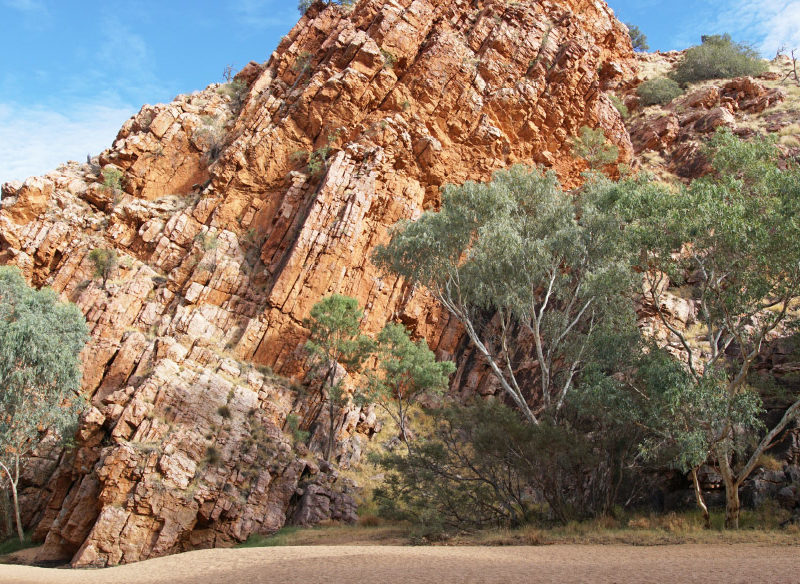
[[243, 205]]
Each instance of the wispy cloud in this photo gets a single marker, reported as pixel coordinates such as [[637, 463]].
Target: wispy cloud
[[34, 140], [28, 6], [766, 24], [262, 13]]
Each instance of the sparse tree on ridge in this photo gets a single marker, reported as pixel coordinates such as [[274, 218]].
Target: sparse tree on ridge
[[638, 38]]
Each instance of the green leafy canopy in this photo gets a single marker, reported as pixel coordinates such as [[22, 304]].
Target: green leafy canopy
[[40, 340]]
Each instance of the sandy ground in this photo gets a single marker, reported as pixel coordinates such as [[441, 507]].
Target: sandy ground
[[412, 565]]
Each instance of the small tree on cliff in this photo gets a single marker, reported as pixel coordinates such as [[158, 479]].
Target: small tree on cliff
[[406, 371], [40, 339], [594, 148], [104, 262], [336, 339], [638, 38], [736, 232]]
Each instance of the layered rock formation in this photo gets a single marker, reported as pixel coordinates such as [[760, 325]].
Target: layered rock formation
[[240, 210], [668, 139]]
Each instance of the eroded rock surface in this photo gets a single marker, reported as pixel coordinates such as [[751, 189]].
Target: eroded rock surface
[[237, 212]]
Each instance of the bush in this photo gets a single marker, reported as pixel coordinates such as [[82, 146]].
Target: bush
[[112, 183], [484, 465], [718, 57], [236, 90], [638, 38], [619, 105], [105, 262], [304, 5], [594, 148], [658, 91]]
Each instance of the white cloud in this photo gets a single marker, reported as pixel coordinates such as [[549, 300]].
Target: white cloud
[[29, 6], [263, 14], [34, 140], [766, 24]]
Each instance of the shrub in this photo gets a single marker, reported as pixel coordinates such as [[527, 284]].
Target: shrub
[[638, 38], [207, 241], [619, 105], [484, 465], [304, 5], [718, 57], [213, 455], [105, 262], [594, 148], [658, 91], [224, 411], [211, 137], [236, 90], [293, 423], [112, 183]]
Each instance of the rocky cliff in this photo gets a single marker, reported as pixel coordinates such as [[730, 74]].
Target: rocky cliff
[[241, 206]]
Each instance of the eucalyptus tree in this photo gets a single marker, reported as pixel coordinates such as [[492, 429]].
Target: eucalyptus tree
[[336, 339], [542, 265], [406, 371], [735, 234], [40, 340]]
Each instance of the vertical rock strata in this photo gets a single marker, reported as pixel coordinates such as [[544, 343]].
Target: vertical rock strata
[[240, 212]]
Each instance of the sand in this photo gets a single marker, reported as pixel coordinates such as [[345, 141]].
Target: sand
[[721, 564]]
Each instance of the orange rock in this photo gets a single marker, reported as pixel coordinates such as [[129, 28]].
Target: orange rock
[[238, 217]]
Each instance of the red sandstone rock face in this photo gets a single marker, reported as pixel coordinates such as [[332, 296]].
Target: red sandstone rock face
[[227, 237]]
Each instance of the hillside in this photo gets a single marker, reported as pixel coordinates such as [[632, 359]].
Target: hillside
[[232, 210]]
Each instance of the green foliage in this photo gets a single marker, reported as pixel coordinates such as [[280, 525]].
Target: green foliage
[[236, 90], [519, 254], [389, 60], [112, 178], [594, 148], [718, 57], [298, 434], [638, 38], [317, 161], [741, 244], [112, 183], [12, 545], [484, 465], [620, 106], [406, 371], [334, 324], [207, 241], [104, 261], [304, 5], [659, 91], [40, 340], [210, 136]]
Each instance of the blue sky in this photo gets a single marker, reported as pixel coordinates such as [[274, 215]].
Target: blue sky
[[72, 72]]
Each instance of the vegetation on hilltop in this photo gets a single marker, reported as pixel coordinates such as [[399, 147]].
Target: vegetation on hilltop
[[718, 57]]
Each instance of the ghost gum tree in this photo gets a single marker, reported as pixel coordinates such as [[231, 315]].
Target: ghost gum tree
[[736, 233], [40, 339], [534, 259]]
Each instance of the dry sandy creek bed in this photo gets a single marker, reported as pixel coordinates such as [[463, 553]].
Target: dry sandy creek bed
[[674, 564]]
